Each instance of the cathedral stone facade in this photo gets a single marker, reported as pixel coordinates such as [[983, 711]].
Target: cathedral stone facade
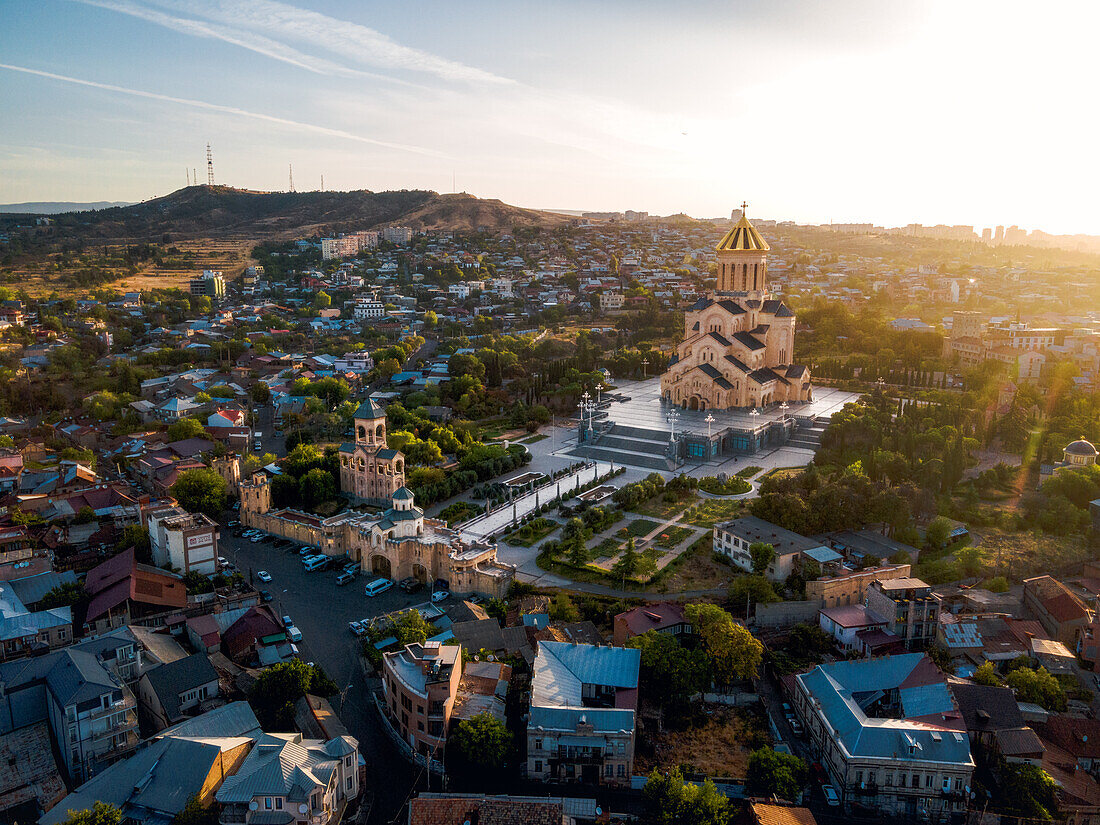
[[370, 472], [738, 341]]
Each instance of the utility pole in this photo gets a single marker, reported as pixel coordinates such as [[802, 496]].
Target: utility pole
[[209, 166], [291, 167]]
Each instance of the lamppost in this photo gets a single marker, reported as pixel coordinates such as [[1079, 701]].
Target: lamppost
[[672, 416], [783, 408], [880, 384], [710, 420], [755, 413], [599, 392], [645, 363]]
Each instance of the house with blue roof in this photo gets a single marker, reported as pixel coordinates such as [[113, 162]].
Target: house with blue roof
[[890, 735], [584, 700]]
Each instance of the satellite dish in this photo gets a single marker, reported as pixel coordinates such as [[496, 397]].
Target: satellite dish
[[302, 809], [599, 810], [253, 806]]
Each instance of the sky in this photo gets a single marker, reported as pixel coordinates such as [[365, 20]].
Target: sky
[[971, 112]]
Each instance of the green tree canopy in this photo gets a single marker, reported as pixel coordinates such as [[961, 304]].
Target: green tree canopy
[[734, 652], [201, 490], [771, 773], [186, 428], [278, 687], [101, 813], [762, 555], [672, 801], [482, 741], [670, 673]]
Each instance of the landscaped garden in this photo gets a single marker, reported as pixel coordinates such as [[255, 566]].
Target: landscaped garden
[[639, 527], [532, 532], [672, 536], [732, 486], [459, 512], [714, 511]]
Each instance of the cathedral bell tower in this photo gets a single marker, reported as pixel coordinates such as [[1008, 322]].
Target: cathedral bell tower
[[370, 425], [743, 261]]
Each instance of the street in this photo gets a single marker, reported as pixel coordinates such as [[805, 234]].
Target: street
[[322, 610]]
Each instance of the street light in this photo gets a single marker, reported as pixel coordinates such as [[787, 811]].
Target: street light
[[645, 363], [784, 407], [755, 413], [672, 416], [710, 420]]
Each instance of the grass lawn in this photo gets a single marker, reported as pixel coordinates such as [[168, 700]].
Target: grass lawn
[[640, 527], [711, 512], [672, 537], [459, 511], [657, 507], [605, 549], [534, 438], [749, 472], [531, 533]]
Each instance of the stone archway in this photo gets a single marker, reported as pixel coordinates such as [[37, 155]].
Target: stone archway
[[420, 573], [693, 404], [380, 566]]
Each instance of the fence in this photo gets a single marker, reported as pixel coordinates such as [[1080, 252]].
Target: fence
[[785, 614]]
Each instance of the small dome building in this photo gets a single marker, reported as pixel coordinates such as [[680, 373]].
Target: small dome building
[[1079, 453]]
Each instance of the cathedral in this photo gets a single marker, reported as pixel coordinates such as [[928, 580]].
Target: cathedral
[[370, 472], [738, 341]]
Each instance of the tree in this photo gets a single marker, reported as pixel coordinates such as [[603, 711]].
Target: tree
[[941, 658], [430, 319], [937, 533], [670, 673], [315, 487], [302, 459], [735, 653], [322, 300], [482, 741], [627, 563], [186, 428], [762, 555], [101, 813], [201, 490], [986, 674], [1027, 791], [261, 393], [771, 773], [752, 589], [1038, 687], [562, 608], [412, 628], [278, 687], [672, 801], [65, 594], [194, 813]]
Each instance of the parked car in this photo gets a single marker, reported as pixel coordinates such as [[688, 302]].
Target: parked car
[[223, 561], [356, 628], [306, 551], [796, 726], [411, 585], [373, 588], [265, 596], [345, 577], [441, 595], [831, 796], [263, 576], [287, 621], [294, 634]]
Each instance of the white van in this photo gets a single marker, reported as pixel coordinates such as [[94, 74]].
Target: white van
[[316, 563], [373, 588], [294, 634]]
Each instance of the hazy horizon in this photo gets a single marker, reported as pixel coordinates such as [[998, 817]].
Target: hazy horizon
[[850, 112]]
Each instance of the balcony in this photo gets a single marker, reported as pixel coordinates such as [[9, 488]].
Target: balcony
[[577, 759], [127, 721], [126, 703]]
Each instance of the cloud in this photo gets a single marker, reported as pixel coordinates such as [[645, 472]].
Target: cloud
[[230, 110], [265, 26]]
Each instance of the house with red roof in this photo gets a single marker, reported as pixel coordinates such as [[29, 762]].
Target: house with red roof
[[121, 590], [663, 617]]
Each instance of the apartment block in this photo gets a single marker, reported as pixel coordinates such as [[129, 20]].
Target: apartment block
[[909, 607]]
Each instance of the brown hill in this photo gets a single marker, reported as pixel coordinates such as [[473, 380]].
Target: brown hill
[[224, 212]]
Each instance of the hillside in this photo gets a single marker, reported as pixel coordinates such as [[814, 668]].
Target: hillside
[[224, 212], [55, 207]]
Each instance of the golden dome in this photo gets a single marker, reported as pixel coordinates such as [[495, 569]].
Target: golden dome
[[742, 238]]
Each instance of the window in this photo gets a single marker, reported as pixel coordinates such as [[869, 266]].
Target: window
[[609, 770], [946, 783], [901, 780], [916, 780], [347, 761], [859, 776], [420, 726], [267, 803], [889, 779], [278, 803], [347, 784], [538, 766], [929, 779], [538, 744], [622, 770], [621, 748], [420, 709]]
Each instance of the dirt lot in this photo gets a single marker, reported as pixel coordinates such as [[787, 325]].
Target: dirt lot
[[696, 569], [719, 746], [1021, 555]]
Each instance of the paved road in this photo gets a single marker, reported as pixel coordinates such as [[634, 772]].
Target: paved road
[[322, 610]]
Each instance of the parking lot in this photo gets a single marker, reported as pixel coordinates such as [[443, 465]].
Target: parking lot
[[321, 610]]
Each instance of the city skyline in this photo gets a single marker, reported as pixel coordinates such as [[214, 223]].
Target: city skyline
[[850, 113]]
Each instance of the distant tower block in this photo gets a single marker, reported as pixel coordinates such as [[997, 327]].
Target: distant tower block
[[209, 166], [291, 167]]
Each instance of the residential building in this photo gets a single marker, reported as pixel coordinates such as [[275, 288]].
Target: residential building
[[583, 705], [158, 781], [734, 538], [909, 607], [664, 617], [419, 685], [211, 284], [186, 541], [172, 692], [779, 813], [993, 720], [368, 309], [23, 631], [611, 301], [1059, 610], [357, 362], [79, 692], [889, 734], [849, 587], [120, 591], [397, 234], [848, 625], [288, 779], [30, 784]]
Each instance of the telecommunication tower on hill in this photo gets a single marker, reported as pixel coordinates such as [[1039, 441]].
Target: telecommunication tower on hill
[[209, 166], [291, 167]]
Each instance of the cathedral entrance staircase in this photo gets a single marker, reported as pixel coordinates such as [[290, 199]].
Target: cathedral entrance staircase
[[633, 446], [808, 435]]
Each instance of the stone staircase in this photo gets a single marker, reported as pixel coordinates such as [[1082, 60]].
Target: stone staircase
[[809, 437], [633, 446]]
